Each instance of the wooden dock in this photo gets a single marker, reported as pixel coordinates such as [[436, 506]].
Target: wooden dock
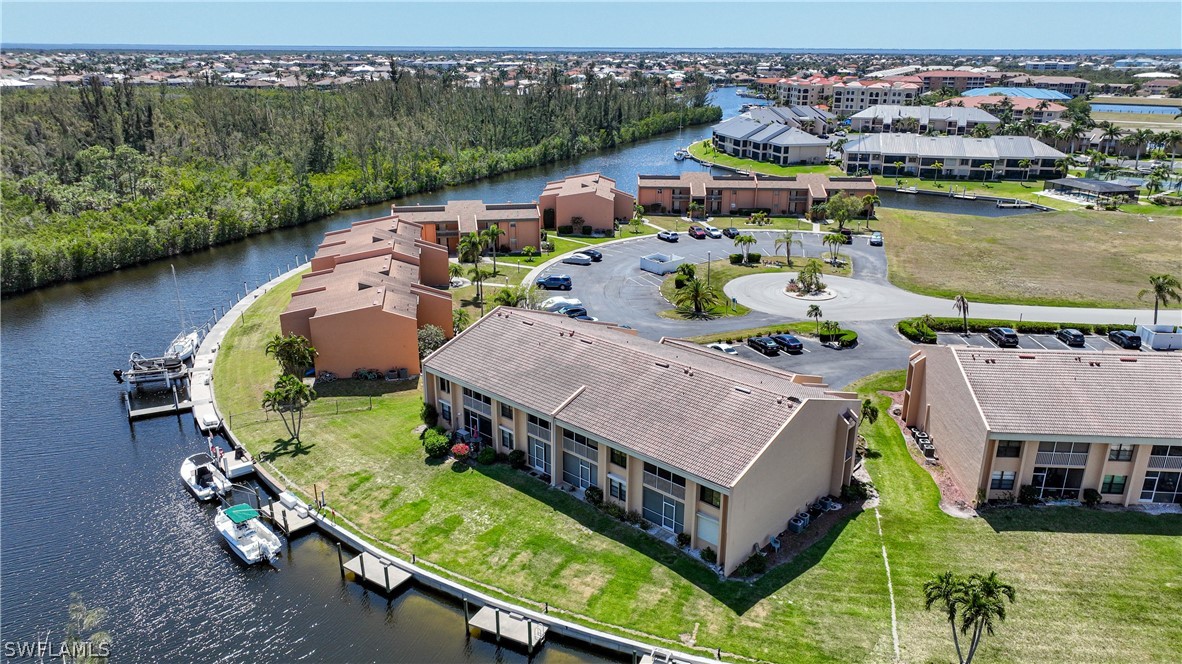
[[508, 625], [368, 567], [659, 656], [155, 411], [287, 520]]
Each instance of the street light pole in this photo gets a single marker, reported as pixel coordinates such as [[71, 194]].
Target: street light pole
[[708, 283]]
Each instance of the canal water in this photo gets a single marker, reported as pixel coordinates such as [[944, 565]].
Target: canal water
[[90, 505]]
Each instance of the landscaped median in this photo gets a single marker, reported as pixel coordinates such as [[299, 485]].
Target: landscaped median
[[721, 272], [509, 534], [923, 330]]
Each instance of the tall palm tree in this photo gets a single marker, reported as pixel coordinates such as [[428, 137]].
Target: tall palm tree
[[744, 242], [946, 590], [470, 247], [1072, 133], [695, 293], [869, 201], [460, 319], [1047, 133], [961, 304], [491, 237], [693, 208], [293, 352], [898, 168], [982, 606], [814, 312], [478, 276], [1164, 288], [1170, 140], [1024, 164], [1109, 135], [1063, 166], [455, 270], [289, 398], [787, 240], [986, 170], [938, 167], [834, 242]]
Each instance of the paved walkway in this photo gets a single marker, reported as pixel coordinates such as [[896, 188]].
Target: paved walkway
[[859, 300]]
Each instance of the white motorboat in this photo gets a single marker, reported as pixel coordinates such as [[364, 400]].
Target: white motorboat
[[202, 476], [245, 532], [680, 155], [146, 371]]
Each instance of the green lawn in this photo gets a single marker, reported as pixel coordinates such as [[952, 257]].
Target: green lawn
[[672, 222], [703, 150], [1025, 191], [1072, 258], [1091, 584], [722, 272]]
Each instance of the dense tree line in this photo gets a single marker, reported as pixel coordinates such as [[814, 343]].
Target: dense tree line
[[97, 178]]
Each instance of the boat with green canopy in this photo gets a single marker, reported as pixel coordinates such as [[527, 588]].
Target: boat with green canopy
[[247, 535]]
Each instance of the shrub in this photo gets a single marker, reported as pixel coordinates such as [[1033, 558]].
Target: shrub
[[736, 259], [709, 556], [487, 456], [683, 539], [915, 332], [847, 338], [566, 230], [1028, 495], [614, 510], [429, 414], [633, 517], [517, 459], [587, 229], [435, 443], [856, 490], [594, 495], [756, 564], [460, 451], [754, 257], [1091, 497]]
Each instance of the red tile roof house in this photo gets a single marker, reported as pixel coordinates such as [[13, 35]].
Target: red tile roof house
[[1059, 421], [701, 443]]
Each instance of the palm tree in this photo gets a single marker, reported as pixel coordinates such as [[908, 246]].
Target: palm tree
[[687, 270], [1047, 133], [981, 131], [1063, 166], [938, 167], [744, 242], [288, 399], [293, 352], [695, 293], [787, 240], [460, 319], [814, 312], [961, 304], [693, 208], [982, 607], [1164, 288], [870, 200], [1024, 164], [834, 242], [455, 271], [1171, 139], [491, 236], [470, 248], [946, 590], [1072, 133], [986, 170], [478, 276], [1109, 134], [869, 411], [898, 167], [510, 296]]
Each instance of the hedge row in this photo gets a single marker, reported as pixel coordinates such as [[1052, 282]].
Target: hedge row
[[752, 258], [913, 330]]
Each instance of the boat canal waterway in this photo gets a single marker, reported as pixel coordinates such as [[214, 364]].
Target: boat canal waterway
[[93, 506]]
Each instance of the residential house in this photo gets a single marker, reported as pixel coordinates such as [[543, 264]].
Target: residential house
[[1061, 422], [596, 411], [952, 120], [959, 156], [737, 194]]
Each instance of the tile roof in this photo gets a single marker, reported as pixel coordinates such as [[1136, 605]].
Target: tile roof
[[1018, 103], [374, 282], [600, 185], [925, 114], [624, 389], [461, 211], [699, 181], [1112, 394]]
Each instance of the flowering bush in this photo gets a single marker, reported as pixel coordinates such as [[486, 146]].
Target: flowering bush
[[460, 451]]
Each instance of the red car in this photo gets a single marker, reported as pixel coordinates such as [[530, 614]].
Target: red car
[[697, 232]]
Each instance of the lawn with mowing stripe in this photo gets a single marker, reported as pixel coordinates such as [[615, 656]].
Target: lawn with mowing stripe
[[1079, 258], [1110, 598], [671, 222], [703, 150]]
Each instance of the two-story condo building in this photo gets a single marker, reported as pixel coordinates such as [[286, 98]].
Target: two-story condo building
[[740, 194], [997, 157], [1038, 110], [953, 121], [593, 405], [777, 143], [1058, 421]]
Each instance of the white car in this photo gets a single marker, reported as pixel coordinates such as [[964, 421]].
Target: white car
[[668, 236], [556, 303], [712, 231], [724, 347], [577, 259]]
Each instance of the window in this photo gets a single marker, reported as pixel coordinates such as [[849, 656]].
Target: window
[[1167, 450], [709, 496], [444, 385], [1114, 484], [506, 438], [445, 411], [617, 489], [1002, 480], [506, 411], [1057, 483], [1162, 487], [1064, 448], [1009, 448], [1120, 453], [619, 458], [539, 422]]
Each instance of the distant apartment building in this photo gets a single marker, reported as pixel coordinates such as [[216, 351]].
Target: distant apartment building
[[371, 287], [1013, 91], [1049, 65], [952, 120], [1159, 86], [1058, 421], [957, 156], [855, 96], [520, 223], [776, 143], [1068, 85], [736, 194], [807, 91], [595, 412], [589, 199], [1038, 110], [953, 80]]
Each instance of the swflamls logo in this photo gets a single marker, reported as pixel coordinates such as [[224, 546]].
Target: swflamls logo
[[66, 651]]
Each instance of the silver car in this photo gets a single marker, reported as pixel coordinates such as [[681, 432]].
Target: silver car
[[577, 259]]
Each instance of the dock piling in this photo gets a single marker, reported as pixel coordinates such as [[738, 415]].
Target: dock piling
[[285, 528], [340, 560], [386, 571], [465, 612], [363, 566], [529, 635], [498, 619]]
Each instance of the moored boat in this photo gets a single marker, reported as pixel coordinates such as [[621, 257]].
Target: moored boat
[[680, 155], [247, 535], [202, 476]]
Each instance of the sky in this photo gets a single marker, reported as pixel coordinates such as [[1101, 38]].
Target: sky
[[1075, 25]]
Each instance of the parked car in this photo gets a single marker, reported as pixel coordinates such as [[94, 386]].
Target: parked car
[[555, 282], [724, 347], [712, 231], [697, 232], [593, 254], [556, 303], [1070, 336], [573, 311], [577, 259], [590, 319], [848, 236], [764, 345], [1003, 337], [876, 239], [1125, 339], [668, 236], [788, 343], [731, 232]]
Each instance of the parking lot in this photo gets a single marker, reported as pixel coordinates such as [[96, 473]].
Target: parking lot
[[1092, 342]]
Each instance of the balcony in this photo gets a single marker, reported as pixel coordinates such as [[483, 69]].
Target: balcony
[[1062, 459], [664, 486], [1162, 462]]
